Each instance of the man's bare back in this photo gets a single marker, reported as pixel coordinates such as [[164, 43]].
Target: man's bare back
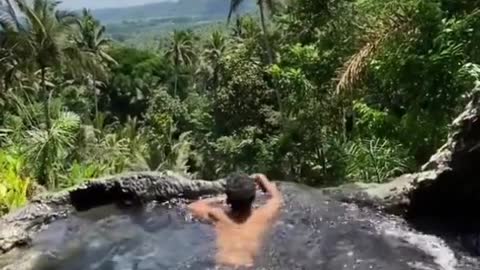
[[240, 234]]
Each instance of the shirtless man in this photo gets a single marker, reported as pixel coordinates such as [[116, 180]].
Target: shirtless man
[[240, 229]]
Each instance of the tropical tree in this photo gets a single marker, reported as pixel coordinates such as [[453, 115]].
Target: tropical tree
[[92, 42], [42, 39], [181, 53], [8, 60], [210, 66], [263, 5]]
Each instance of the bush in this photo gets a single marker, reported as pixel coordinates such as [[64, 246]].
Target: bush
[[13, 187], [375, 160]]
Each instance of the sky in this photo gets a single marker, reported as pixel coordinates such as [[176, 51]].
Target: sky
[[93, 4]]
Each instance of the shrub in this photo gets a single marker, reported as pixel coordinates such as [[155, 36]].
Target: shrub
[[375, 160], [13, 187]]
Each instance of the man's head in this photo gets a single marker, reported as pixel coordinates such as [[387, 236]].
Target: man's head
[[240, 190]]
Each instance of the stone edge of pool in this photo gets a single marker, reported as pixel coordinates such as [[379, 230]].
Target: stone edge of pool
[[17, 228]]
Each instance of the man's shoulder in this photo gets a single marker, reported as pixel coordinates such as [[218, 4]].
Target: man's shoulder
[[268, 211], [219, 215], [260, 214]]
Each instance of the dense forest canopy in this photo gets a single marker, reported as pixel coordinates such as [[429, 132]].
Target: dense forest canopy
[[321, 92]]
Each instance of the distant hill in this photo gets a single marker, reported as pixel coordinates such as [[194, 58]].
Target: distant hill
[[211, 9]]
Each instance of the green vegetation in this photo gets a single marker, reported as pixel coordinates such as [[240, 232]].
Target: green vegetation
[[318, 92], [155, 31], [144, 26], [13, 187], [182, 9]]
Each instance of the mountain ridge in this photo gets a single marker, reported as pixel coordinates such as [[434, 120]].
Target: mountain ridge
[[181, 8]]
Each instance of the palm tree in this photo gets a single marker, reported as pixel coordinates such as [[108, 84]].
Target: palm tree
[[213, 53], [8, 61], [180, 52], [91, 41], [353, 70], [262, 6], [41, 40]]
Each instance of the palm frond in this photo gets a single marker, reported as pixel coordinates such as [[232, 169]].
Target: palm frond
[[99, 33], [66, 17], [352, 71], [13, 14], [105, 56], [7, 21], [32, 16]]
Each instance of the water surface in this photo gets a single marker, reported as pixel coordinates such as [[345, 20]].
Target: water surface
[[314, 232]]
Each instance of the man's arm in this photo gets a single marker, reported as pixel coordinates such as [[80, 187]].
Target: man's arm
[[272, 207], [208, 209]]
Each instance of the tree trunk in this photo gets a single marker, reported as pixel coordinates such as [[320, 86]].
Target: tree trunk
[[215, 82], [46, 102], [95, 96], [265, 33], [176, 83], [271, 59], [176, 64], [43, 168]]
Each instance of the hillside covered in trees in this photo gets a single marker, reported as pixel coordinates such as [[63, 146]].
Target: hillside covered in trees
[[169, 9], [319, 92]]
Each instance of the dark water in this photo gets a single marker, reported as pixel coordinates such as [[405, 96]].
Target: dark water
[[314, 232], [157, 237]]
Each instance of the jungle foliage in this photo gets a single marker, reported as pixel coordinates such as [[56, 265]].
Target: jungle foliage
[[321, 92]]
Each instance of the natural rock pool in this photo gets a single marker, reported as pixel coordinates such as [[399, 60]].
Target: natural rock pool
[[314, 232]]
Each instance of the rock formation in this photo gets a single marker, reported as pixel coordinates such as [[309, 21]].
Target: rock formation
[[446, 188]]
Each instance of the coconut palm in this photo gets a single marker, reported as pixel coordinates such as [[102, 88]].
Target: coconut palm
[[42, 43], [353, 69], [263, 5], [210, 65], [180, 52], [352, 72], [93, 44], [8, 61], [42, 39]]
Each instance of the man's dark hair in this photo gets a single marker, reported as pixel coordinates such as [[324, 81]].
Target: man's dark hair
[[240, 190]]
